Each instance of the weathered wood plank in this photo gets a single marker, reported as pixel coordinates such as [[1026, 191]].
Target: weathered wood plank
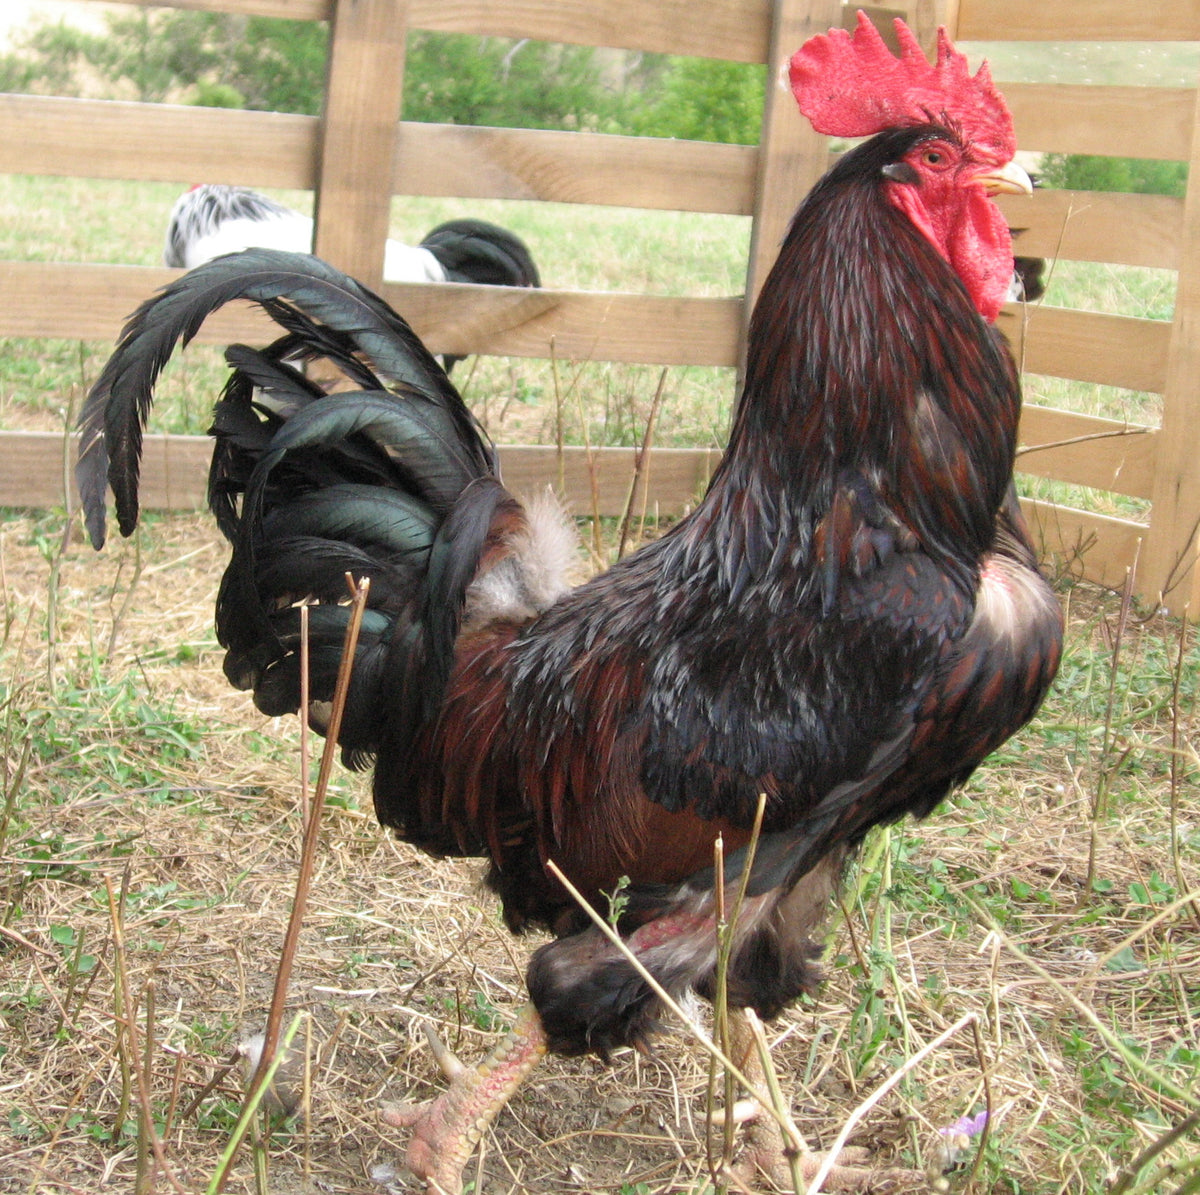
[[298, 10], [91, 302], [571, 325], [733, 29], [161, 142], [363, 88], [33, 472], [1077, 543], [1129, 230], [675, 478], [1172, 550], [1076, 20], [175, 143], [35, 466], [737, 30], [1129, 122], [1110, 350], [179, 143], [473, 162], [1084, 450]]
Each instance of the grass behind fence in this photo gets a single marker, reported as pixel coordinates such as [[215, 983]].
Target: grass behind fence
[[590, 248]]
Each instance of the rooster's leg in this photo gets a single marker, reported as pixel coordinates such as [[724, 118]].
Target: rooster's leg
[[447, 1129], [766, 1152]]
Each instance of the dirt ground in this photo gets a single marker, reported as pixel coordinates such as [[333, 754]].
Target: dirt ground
[[197, 846]]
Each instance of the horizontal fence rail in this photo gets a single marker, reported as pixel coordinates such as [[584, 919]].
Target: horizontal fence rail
[[181, 144]]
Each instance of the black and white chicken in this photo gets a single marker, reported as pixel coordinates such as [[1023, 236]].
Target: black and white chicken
[[212, 219]]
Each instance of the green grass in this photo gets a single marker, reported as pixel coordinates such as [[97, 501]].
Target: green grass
[[1046, 884], [1112, 63], [49, 219]]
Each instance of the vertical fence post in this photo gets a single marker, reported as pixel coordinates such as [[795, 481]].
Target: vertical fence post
[[1168, 562], [363, 94], [791, 156]]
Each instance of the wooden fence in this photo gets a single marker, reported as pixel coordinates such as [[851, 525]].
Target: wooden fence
[[360, 153]]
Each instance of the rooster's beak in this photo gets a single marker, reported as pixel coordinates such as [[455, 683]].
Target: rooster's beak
[[1008, 179]]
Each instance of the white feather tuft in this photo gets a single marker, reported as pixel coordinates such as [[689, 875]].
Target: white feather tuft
[[284, 1095], [541, 567]]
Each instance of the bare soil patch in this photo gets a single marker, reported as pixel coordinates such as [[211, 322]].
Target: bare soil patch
[[151, 779]]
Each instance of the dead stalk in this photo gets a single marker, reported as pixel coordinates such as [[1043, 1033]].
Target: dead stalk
[[64, 542], [778, 1099], [985, 1074], [21, 940], [359, 591], [304, 704], [1105, 768], [127, 600], [641, 467], [143, 1182], [249, 1111], [122, 1013], [218, 1077], [127, 1031], [1177, 740], [1129, 1175], [560, 402], [699, 1036], [77, 1097], [560, 433], [891, 1081], [1155, 1079], [593, 479], [718, 1166], [1026, 449], [176, 1087], [9, 613], [13, 778]]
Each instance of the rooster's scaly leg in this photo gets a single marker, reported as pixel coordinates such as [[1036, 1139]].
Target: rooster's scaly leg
[[447, 1129], [766, 1153]]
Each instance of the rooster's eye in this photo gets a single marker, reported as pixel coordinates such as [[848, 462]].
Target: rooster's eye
[[933, 157]]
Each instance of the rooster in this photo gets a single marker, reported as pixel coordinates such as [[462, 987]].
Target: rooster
[[848, 622], [212, 219]]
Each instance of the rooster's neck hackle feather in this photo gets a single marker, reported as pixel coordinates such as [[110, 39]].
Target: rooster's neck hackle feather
[[871, 376]]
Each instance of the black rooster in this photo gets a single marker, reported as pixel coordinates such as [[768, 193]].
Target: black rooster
[[848, 623]]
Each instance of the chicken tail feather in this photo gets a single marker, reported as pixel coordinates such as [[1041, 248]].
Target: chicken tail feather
[[115, 413], [393, 480]]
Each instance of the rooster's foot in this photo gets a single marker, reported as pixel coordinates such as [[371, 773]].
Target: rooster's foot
[[447, 1129], [766, 1157]]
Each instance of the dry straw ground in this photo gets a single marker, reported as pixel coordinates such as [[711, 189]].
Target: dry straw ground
[[134, 776]]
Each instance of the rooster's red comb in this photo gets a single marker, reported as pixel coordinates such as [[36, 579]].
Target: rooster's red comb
[[851, 85]]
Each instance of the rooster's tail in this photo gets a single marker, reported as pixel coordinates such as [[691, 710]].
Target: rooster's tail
[[392, 480]]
